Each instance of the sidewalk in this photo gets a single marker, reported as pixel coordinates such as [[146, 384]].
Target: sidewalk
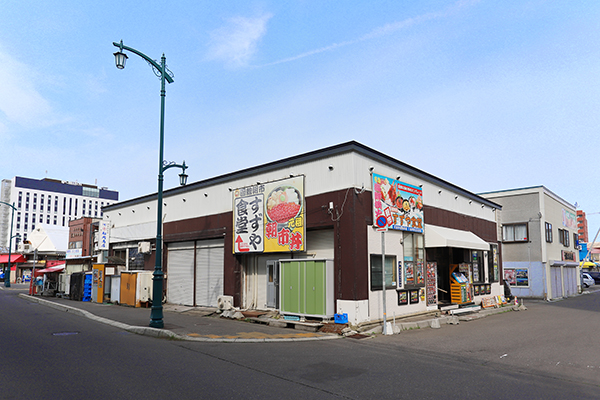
[[203, 324], [181, 323]]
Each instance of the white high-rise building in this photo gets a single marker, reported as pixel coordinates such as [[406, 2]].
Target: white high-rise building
[[49, 202]]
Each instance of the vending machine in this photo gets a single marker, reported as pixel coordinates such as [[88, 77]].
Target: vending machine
[[459, 288]]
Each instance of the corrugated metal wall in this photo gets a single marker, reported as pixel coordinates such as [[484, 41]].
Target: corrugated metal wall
[[180, 278], [195, 281]]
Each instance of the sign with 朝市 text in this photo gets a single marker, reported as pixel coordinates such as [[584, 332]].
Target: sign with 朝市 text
[[397, 205]]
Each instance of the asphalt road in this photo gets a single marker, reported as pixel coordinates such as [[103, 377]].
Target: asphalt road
[[542, 353]]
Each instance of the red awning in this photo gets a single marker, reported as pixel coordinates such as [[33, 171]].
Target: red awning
[[53, 263], [14, 258], [50, 269]]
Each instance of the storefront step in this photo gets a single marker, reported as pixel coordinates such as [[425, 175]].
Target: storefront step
[[465, 310]]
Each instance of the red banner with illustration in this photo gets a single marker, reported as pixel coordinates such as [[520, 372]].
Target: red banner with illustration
[[269, 217], [397, 205]]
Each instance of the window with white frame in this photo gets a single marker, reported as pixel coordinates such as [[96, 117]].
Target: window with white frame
[[514, 233]]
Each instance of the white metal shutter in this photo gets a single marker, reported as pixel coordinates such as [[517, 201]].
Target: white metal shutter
[[209, 271], [180, 273], [320, 243]]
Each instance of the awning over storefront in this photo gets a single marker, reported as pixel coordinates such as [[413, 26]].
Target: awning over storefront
[[560, 263], [14, 258], [50, 269], [437, 236], [587, 264], [54, 263]]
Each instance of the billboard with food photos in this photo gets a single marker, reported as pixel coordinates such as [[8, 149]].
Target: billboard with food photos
[[270, 217], [397, 205]]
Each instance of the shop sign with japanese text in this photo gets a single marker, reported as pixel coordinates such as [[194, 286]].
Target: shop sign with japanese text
[[270, 217], [248, 219], [103, 235], [397, 205]]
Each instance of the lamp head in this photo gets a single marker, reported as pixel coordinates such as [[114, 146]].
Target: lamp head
[[120, 59], [183, 176]]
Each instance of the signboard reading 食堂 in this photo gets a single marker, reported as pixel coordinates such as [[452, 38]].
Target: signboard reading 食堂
[[269, 217], [397, 205]]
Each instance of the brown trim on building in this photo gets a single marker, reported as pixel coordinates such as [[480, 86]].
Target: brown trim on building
[[350, 220], [486, 230]]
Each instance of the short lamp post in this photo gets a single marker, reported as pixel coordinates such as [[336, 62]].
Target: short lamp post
[[156, 315], [12, 217]]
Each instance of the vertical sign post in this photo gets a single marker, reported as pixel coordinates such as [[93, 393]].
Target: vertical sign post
[[383, 279], [382, 224]]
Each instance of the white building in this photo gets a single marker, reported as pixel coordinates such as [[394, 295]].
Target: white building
[[49, 202], [540, 245], [321, 251]]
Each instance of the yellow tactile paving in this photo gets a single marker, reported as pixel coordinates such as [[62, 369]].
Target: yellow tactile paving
[[257, 335]]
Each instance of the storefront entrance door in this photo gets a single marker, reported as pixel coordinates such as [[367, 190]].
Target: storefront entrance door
[[272, 283]]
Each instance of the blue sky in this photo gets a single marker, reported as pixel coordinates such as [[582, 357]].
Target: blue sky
[[488, 95]]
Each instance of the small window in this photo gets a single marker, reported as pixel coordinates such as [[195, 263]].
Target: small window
[[514, 233], [548, 232], [390, 272], [575, 240], [563, 237]]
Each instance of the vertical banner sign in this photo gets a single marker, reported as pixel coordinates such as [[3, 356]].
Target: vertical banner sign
[[495, 261], [103, 235], [270, 217], [397, 205], [431, 284], [569, 219], [248, 220]]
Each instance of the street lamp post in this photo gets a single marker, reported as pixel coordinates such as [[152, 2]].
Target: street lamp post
[[156, 315], [12, 217]]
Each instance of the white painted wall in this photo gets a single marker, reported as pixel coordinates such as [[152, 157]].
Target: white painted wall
[[349, 170]]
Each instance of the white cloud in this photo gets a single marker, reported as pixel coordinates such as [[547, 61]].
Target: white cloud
[[385, 30], [20, 101], [236, 42]]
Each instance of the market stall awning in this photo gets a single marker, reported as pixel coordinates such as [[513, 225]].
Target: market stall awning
[[587, 264], [14, 258], [437, 236], [50, 269]]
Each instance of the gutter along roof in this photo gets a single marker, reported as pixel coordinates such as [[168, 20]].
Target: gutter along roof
[[348, 147]]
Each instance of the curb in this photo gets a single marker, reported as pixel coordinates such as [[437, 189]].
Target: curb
[[140, 330], [162, 333]]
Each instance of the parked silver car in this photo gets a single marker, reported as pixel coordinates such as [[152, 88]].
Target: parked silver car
[[587, 280]]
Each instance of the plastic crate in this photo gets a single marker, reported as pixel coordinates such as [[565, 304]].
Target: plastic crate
[[340, 318]]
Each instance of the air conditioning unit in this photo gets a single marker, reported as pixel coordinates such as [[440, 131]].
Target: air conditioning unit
[[25, 248], [225, 303], [144, 247]]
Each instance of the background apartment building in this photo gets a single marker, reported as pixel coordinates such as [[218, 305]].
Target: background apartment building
[[49, 202], [540, 243]]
